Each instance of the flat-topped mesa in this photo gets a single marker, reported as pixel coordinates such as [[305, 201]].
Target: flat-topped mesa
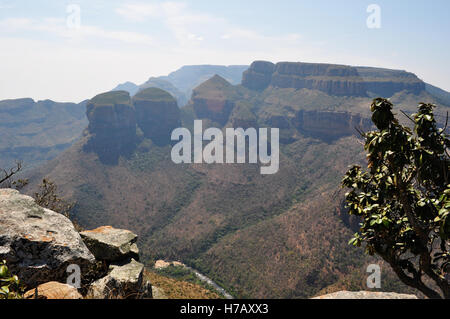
[[333, 79], [112, 125], [213, 99], [157, 114], [386, 82], [329, 78]]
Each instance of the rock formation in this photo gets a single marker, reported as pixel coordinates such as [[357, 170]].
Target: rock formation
[[214, 100], [259, 75], [325, 125], [118, 249], [329, 78], [167, 86], [38, 244], [122, 281], [53, 290], [111, 244], [112, 125], [386, 82], [330, 125], [340, 80], [157, 114]]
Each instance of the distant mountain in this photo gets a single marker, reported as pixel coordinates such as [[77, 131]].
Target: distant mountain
[[190, 76], [130, 87], [282, 235], [166, 86], [38, 131], [181, 82], [441, 95]]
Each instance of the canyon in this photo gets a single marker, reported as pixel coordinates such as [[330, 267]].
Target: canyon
[[261, 236]]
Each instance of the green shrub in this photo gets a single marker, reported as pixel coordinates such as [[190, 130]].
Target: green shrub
[[10, 287]]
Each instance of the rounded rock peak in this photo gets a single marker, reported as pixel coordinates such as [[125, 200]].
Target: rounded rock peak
[[154, 94], [111, 98]]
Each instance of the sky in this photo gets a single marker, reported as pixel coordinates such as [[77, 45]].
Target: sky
[[73, 50]]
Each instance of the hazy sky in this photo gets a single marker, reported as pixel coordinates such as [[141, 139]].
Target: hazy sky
[[45, 53]]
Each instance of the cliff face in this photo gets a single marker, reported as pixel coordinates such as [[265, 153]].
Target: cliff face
[[324, 125], [329, 78], [258, 76], [385, 82], [112, 125], [330, 125], [340, 80], [157, 114], [214, 100]]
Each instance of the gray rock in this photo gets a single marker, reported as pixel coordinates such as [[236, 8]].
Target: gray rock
[[123, 281], [158, 293], [37, 243], [365, 295], [111, 244]]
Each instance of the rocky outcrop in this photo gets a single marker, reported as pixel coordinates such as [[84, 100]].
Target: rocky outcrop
[[117, 248], [258, 76], [167, 86], [325, 125], [366, 295], [157, 114], [38, 244], [53, 290], [123, 281], [112, 125], [110, 244], [330, 125], [214, 100]]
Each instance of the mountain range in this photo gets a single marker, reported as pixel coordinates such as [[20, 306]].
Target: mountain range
[[276, 236]]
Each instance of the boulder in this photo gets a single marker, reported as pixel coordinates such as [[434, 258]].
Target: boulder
[[366, 295], [157, 114], [123, 281], [111, 244], [38, 244], [53, 290]]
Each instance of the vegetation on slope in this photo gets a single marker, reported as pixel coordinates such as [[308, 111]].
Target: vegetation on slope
[[179, 288]]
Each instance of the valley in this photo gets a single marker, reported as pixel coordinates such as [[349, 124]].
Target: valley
[[258, 236]]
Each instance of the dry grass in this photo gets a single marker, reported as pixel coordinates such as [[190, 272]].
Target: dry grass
[[175, 289]]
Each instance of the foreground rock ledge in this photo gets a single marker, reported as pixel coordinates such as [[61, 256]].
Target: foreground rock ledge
[[111, 244], [53, 290], [38, 244], [123, 281], [365, 295]]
